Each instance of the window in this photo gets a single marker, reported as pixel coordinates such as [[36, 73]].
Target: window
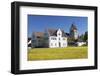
[[55, 44], [59, 38], [39, 40], [33, 41], [46, 38], [51, 44], [64, 38], [53, 38], [63, 44]]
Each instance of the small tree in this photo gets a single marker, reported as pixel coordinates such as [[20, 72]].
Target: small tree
[[82, 37], [85, 36]]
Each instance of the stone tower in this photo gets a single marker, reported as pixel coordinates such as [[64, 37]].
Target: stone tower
[[74, 32]]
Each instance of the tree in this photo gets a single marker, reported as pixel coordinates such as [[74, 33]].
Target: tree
[[86, 36], [82, 37]]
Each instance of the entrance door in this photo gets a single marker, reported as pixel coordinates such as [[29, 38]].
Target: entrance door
[[59, 44]]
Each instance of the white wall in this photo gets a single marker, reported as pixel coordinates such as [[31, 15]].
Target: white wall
[[5, 28], [81, 43], [53, 42], [64, 42]]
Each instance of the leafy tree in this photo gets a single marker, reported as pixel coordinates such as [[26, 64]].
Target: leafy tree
[[86, 36], [82, 37]]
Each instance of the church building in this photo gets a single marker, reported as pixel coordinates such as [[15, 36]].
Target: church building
[[52, 38]]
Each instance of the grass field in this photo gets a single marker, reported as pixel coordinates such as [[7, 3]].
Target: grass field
[[57, 53]]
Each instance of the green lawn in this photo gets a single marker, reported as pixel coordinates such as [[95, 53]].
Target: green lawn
[[57, 53]]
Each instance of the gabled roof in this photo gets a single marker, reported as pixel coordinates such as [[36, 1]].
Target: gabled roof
[[39, 34], [53, 32]]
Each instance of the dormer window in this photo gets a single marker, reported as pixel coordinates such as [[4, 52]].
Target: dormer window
[[59, 34], [53, 38]]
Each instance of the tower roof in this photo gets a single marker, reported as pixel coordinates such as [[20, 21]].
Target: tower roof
[[73, 27]]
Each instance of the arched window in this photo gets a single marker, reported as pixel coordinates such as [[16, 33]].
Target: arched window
[[55, 44], [59, 38], [51, 44]]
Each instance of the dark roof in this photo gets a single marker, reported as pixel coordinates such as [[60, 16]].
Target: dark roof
[[53, 32], [39, 34], [67, 34], [73, 27], [29, 39]]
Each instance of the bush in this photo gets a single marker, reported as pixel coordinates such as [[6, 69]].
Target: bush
[[84, 45]]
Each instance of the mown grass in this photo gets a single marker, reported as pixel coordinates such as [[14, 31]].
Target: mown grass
[[57, 53]]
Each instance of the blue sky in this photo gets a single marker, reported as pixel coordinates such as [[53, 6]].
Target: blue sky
[[38, 23]]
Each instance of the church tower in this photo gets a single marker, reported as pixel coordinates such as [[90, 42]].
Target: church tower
[[74, 32]]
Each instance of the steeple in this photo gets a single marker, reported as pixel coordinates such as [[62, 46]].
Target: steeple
[[73, 27], [74, 32]]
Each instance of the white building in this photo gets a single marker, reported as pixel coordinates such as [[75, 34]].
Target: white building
[[81, 43], [50, 38]]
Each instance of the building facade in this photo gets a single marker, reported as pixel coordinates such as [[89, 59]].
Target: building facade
[[55, 38], [37, 39], [50, 38]]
